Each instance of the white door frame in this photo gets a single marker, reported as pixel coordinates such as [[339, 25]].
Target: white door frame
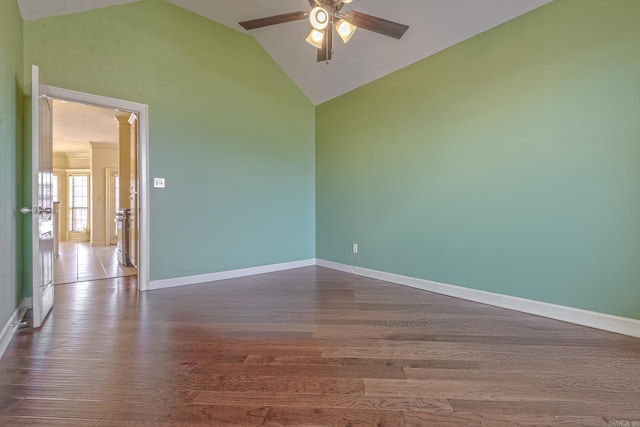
[[110, 212], [143, 164]]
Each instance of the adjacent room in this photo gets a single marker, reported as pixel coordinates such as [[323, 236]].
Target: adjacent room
[[319, 213], [90, 241]]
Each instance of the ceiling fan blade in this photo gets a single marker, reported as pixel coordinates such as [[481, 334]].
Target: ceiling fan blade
[[273, 20], [377, 25], [325, 53]]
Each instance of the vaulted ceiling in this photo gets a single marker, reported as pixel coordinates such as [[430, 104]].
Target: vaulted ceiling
[[434, 26]]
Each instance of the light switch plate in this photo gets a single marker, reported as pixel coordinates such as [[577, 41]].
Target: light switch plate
[[158, 182]]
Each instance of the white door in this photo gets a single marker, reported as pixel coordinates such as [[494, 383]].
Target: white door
[[41, 200]]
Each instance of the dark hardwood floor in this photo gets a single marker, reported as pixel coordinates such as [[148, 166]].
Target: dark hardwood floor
[[309, 347]]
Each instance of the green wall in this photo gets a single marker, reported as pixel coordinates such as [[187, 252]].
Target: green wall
[[230, 132], [508, 163], [10, 156]]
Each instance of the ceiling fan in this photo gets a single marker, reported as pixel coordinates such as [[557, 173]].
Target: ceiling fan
[[324, 16]]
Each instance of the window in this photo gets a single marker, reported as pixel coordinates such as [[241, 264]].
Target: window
[[78, 202], [54, 187]]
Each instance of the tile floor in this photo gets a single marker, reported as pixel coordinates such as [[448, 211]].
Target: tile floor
[[78, 262]]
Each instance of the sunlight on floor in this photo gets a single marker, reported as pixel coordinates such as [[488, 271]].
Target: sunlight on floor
[[78, 261]]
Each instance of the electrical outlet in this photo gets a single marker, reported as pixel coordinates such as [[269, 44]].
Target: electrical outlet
[[158, 182], [355, 248]]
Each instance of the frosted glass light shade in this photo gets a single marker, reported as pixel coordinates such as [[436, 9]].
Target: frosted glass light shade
[[316, 38], [345, 30]]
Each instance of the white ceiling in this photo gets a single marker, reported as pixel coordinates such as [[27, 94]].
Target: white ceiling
[[75, 125], [434, 26]]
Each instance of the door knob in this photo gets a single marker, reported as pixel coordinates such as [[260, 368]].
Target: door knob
[[37, 211]]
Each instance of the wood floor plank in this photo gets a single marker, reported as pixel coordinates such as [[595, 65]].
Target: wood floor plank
[[420, 419], [613, 382], [335, 401], [122, 423], [48, 363], [15, 376], [413, 363], [285, 385], [480, 375], [292, 360], [452, 389], [302, 371], [61, 408], [305, 347], [605, 408], [277, 417], [222, 415], [46, 422], [473, 351], [40, 392], [114, 392]]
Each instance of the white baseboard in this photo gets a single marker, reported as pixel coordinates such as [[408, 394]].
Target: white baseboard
[[229, 274], [577, 316], [334, 265], [607, 322], [10, 328]]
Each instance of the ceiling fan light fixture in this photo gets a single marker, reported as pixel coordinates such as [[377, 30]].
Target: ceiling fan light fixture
[[319, 18], [345, 30], [316, 38], [323, 17]]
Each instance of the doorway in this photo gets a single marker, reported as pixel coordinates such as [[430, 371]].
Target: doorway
[[87, 156], [91, 186]]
